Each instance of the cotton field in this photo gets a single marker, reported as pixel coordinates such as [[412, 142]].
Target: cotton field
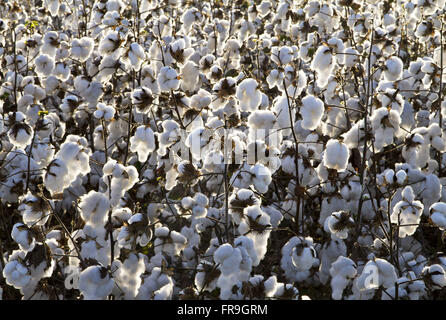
[[222, 149]]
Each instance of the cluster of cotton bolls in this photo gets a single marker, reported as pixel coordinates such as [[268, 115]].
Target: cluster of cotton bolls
[[224, 149]]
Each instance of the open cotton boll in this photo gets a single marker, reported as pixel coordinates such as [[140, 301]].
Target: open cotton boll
[[281, 105], [168, 79], [20, 134], [110, 45], [262, 119], [189, 76], [23, 237], [44, 65], [342, 271], [95, 283], [62, 71], [336, 155], [128, 274], [312, 111], [15, 272], [256, 226], [260, 177], [393, 69], [323, 63], [282, 55], [351, 57], [339, 223], [94, 207], [189, 17], [143, 142], [35, 210], [248, 95], [136, 56], [385, 125], [274, 78], [104, 112], [438, 214], [436, 274], [407, 213], [81, 49], [53, 6], [377, 273], [298, 256], [56, 178]]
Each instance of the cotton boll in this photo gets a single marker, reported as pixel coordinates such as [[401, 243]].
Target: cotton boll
[[95, 283], [128, 274], [261, 177], [143, 98], [189, 17], [135, 56], [351, 57], [189, 76], [436, 274], [385, 124], [110, 45], [342, 271], [339, 223], [312, 111], [281, 108], [377, 273], [438, 214], [104, 112], [262, 119], [336, 155], [81, 49], [44, 65], [23, 237], [168, 79], [282, 55], [393, 69], [248, 95], [94, 207], [323, 63], [35, 210], [407, 213], [143, 142], [298, 256], [62, 71], [15, 272], [20, 134], [256, 226], [56, 176], [274, 78]]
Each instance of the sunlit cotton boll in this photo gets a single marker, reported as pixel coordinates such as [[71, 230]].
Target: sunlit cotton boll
[[407, 213], [312, 111], [248, 95], [438, 214], [393, 69], [20, 134], [168, 79], [143, 142], [81, 49], [56, 176], [44, 65], [342, 271], [95, 283], [94, 207], [336, 155], [104, 112]]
